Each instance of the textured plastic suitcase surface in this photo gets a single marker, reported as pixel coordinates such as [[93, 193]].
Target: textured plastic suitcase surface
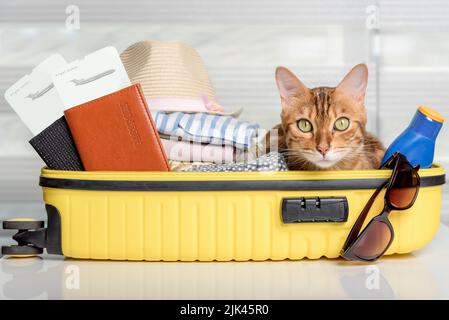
[[173, 216]]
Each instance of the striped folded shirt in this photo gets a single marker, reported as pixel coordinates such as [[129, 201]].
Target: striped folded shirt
[[206, 128]]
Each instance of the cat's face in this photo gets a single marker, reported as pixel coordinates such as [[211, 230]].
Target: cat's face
[[323, 126]]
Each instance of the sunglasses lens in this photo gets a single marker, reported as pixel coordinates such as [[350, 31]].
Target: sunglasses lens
[[404, 188], [374, 240]]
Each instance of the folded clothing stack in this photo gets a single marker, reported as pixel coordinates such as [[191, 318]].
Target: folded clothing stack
[[192, 126], [203, 137]]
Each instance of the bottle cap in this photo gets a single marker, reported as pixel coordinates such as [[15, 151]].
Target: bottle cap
[[431, 113]]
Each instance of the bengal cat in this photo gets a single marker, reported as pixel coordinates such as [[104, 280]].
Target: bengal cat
[[324, 128]]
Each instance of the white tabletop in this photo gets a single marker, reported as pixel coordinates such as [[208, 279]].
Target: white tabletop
[[423, 274]]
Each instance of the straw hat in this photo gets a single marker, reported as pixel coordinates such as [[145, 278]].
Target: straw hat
[[173, 77]]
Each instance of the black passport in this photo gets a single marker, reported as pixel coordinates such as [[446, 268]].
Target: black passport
[[55, 146]]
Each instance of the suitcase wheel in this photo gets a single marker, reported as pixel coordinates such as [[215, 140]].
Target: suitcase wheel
[[22, 224], [22, 250]]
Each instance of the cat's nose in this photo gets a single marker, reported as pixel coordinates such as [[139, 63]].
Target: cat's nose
[[323, 149]]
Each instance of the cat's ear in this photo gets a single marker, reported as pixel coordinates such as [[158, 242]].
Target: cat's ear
[[354, 83], [289, 86]]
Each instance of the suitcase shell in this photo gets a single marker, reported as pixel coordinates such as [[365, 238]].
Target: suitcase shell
[[177, 216]]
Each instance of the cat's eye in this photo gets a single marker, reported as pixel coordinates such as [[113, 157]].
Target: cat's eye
[[341, 124], [305, 125]]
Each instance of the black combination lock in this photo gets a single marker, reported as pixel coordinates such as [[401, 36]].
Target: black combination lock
[[315, 209]]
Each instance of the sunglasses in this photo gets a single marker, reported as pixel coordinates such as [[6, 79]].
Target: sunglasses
[[401, 193]]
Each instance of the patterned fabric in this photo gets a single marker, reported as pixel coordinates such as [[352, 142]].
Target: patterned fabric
[[272, 161], [206, 128]]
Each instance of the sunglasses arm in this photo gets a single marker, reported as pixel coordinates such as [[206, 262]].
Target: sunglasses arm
[[355, 230]]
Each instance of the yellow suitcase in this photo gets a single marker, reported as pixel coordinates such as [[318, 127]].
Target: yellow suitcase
[[180, 216]]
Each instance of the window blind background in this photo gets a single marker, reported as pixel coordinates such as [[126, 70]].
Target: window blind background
[[241, 42]]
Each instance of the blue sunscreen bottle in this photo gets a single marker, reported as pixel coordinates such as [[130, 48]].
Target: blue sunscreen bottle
[[417, 142]]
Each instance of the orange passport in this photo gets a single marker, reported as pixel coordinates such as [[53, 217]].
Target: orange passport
[[116, 133]]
